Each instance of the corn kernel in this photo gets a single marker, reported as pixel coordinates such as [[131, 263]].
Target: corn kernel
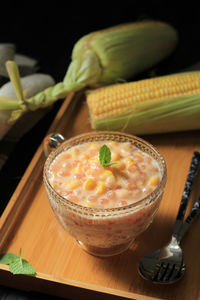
[[88, 204], [55, 186], [76, 170], [75, 152], [154, 180], [73, 184], [94, 159], [129, 162], [113, 143], [94, 146], [90, 184], [138, 154], [105, 174], [116, 156], [101, 189], [85, 156]]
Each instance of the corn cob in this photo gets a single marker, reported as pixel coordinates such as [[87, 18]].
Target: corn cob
[[162, 104], [108, 55], [120, 52]]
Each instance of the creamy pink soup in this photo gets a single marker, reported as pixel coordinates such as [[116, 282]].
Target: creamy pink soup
[[77, 175]]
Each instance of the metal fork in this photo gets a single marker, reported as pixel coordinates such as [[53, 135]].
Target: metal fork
[[166, 265]]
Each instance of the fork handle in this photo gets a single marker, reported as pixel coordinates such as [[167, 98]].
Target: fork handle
[[191, 217], [187, 191]]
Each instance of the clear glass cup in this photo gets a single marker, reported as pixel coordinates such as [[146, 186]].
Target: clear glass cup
[[103, 232]]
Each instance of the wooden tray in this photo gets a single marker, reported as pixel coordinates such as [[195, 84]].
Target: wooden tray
[[63, 269]]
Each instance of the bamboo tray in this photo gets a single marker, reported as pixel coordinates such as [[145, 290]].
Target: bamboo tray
[[63, 269]]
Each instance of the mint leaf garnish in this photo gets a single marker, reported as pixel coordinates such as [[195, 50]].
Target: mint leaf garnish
[[105, 156], [21, 266], [17, 264], [7, 258]]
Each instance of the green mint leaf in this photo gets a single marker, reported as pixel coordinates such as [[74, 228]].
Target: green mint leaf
[[17, 264], [20, 257], [109, 164], [7, 258], [105, 156], [21, 266]]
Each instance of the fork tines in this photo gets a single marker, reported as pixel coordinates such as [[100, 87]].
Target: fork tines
[[167, 272]]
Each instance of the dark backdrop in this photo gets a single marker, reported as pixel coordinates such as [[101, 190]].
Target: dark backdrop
[[47, 32]]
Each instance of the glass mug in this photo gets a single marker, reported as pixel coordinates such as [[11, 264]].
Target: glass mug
[[103, 232]]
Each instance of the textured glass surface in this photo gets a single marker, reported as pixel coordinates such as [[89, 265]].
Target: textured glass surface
[[105, 232]]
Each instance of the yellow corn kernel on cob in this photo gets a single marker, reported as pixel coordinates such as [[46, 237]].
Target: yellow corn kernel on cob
[[104, 56], [162, 104]]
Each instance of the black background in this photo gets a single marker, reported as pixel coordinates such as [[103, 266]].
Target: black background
[[47, 32]]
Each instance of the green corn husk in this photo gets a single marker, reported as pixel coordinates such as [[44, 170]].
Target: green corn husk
[[110, 55], [120, 52], [12, 102], [179, 115]]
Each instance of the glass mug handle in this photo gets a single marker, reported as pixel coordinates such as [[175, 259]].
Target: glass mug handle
[[51, 142]]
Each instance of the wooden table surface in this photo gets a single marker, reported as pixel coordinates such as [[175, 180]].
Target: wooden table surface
[[63, 269]]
